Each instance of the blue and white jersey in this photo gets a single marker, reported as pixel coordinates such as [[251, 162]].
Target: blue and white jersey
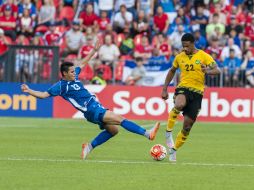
[[73, 91]]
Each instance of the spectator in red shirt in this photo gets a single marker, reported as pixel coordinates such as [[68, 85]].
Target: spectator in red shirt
[[163, 45], [13, 7], [8, 23], [86, 48], [3, 49], [218, 10], [65, 3], [3, 43], [240, 15], [248, 18], [88, 17], [103, 21], [161, 21], [214, 47], [143, 50], [52, 37], [249, 31]]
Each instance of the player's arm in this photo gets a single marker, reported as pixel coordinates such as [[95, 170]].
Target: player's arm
[[37, 94], [209, 66], [211, 69], [168, 79], [84, 61]]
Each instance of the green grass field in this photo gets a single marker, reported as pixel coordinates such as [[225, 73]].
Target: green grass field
[[45, 154]]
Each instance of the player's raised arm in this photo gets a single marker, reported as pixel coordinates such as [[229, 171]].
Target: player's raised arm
[[168, 79], [37, 94], [84, 61]]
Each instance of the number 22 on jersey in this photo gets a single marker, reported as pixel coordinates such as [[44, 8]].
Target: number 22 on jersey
[[189, 67]]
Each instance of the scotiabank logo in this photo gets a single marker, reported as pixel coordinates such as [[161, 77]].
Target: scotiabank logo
[[17, 102], [145, 103], [221, 107], [140, 105], [217, 105]]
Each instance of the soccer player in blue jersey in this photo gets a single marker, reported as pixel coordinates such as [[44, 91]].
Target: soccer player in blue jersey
[[73, 91]]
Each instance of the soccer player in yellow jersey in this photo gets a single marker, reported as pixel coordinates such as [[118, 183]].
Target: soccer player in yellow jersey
[[193, 64]]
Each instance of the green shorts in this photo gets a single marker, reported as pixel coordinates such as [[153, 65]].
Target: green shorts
[[193, 102]]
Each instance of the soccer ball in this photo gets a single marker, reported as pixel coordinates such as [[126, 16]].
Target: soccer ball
[[158, 152]]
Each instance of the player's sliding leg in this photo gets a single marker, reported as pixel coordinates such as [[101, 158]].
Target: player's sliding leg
[[181, 137], [134, 128], [115, 119], [110, 131], [173, 114]]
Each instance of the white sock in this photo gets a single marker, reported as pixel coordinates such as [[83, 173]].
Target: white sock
[[169, 139], [147, 134], [90, 147]]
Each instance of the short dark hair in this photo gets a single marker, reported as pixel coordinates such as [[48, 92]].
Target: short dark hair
[[231, 50], [123, 5], [215, 15], [65, 67], [188, 37], [139, 59]]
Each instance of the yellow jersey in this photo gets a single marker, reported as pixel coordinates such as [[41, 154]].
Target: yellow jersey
[[192, 76]]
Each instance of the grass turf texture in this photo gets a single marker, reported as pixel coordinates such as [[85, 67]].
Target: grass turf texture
[[44, 154]]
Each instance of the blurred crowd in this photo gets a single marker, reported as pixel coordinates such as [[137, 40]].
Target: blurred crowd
[[143, 30]]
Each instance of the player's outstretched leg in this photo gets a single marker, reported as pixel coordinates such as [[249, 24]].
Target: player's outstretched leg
[[86, 149], [110, 131], [134, 128], [115, 119]]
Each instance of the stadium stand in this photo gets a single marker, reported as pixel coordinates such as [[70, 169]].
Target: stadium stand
[[221, 27]]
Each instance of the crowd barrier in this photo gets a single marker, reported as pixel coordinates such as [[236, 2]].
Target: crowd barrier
[[142, 103], [35, 64]]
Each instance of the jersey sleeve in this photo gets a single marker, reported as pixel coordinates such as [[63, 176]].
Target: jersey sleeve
[[77, 72], [55, 90], [209, 61], [175, 62]]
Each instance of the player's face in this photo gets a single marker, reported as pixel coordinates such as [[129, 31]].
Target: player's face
[[188, 47], [70, 75]]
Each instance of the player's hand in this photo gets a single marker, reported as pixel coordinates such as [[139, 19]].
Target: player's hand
[[204, 68], [24, 88], [164, 95]]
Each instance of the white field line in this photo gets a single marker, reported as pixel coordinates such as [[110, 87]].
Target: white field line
[[129, 162]]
